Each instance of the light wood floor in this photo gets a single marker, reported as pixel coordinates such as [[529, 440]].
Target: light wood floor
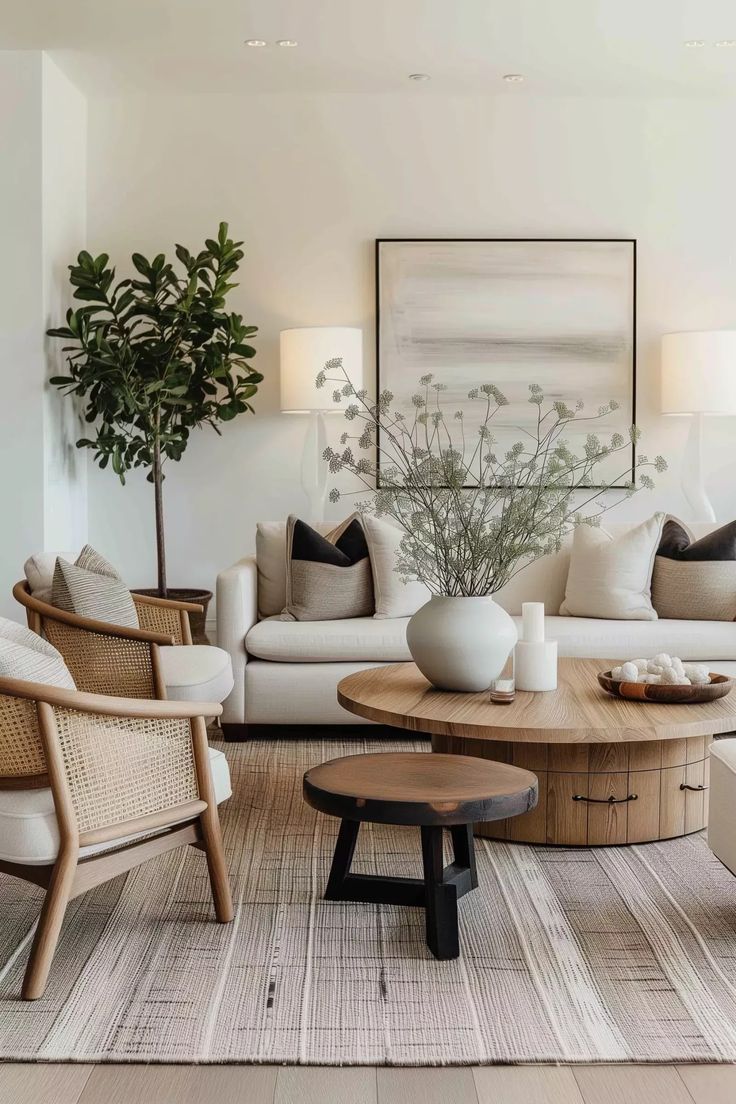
[[128, 1084]]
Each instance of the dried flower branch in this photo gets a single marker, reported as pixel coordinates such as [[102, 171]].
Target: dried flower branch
[[472, 518]]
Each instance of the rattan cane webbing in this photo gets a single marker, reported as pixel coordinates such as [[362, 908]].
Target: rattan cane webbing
[[21, 752], [159, 619], [102, 664], [119, 768]]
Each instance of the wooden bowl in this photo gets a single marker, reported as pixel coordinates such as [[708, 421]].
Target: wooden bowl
[[718, 687]]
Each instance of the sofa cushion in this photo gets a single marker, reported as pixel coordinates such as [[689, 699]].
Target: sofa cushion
[[196, 672], [327, 577], [367, 639], [393, 596], [29, 833], [611, 577], [271, 560], [351, 639]]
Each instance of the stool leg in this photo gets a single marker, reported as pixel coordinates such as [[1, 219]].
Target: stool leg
[[347, 838], [463, 846], [440, 898]]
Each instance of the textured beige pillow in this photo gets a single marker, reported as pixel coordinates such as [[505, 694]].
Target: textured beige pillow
[[393, 597], [91, 587], [694, 590], [328, 577], [611, 577]]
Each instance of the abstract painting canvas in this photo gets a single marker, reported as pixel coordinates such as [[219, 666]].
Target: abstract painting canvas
[[558, 313]]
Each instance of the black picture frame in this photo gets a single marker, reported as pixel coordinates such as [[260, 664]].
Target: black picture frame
[[622, 241]]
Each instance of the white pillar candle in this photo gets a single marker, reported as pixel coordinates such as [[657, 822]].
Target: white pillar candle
[[532, 622], [535, 665]]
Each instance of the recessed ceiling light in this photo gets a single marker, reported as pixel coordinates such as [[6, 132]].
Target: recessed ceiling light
[[255, 42], [726, 42], [513, 78], [287, 42], [419, 76], [695, 43]]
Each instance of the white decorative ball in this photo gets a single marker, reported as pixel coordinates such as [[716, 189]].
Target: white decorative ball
[[629, 672]]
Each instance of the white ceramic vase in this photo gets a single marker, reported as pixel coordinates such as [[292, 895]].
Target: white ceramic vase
[[461, 643]]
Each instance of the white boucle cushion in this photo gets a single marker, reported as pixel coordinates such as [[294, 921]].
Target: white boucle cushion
[[91, 587], [611, 577], [392, 596], [27, 656]]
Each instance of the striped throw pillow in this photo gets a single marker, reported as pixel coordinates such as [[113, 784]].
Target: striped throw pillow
[[26, 656], [91, 587]]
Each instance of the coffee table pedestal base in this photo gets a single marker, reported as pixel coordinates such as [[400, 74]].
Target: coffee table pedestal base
[[593, 795]]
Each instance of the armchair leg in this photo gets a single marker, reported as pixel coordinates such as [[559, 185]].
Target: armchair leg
[[216, 865], [49, 926]]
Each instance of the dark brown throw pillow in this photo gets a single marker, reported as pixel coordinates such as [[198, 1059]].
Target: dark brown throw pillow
[[677, 543], [695, 580], [327, 578]]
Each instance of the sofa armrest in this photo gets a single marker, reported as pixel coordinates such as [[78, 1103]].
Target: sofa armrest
[[237, 612]]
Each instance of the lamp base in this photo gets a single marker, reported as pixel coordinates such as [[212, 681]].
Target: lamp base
[[693, 485], [314, 467]]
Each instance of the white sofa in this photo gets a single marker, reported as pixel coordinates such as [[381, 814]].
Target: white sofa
[[286, 672]]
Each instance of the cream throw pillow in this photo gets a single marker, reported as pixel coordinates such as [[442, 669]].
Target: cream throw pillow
[[611, 577], [393, 597]]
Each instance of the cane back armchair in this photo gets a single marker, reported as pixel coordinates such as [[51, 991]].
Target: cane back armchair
[[115, 659], [128, 780]]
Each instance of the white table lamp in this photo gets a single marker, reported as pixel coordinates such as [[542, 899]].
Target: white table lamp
[[699, 379], [304, 352]]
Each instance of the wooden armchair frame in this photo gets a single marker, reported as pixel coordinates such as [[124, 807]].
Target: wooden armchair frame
[[70, 741], [112, 659]]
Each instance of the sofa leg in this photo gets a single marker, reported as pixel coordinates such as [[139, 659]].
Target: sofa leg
[[234, 733]]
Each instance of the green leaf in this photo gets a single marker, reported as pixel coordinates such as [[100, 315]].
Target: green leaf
[[141, 264]]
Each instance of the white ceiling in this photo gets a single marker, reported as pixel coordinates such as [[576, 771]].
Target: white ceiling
[[563, 47]]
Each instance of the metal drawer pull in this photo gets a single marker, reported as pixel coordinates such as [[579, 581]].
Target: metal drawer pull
[[696, 789], [605, 800]]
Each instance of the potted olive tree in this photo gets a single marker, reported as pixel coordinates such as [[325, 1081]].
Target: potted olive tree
[[154, 358]]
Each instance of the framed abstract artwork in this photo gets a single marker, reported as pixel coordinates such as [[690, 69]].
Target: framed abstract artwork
[[560, 313]]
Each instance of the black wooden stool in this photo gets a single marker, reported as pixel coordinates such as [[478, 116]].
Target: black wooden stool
[[432, 792]]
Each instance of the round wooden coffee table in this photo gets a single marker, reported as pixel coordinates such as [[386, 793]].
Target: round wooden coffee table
[[431, 792], [610, 771]]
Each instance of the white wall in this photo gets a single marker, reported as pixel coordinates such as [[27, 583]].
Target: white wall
[[64, 130], [309, 182], [42, 203], [21, 341]]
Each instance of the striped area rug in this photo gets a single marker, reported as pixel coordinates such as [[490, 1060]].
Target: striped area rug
[[608, 955]]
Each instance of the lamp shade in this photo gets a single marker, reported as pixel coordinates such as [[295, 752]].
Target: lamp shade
[[699, 372], [304, 352]]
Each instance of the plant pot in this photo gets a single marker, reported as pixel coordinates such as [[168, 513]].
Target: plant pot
[[461, 643], [197, 621]]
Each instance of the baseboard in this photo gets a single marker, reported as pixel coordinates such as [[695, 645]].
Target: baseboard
[[239, 733]]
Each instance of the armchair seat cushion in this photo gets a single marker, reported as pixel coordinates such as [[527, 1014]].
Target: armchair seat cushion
[[196, 672], [29, 834]]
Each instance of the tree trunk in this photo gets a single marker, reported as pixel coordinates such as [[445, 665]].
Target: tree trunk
[[158, 499]]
